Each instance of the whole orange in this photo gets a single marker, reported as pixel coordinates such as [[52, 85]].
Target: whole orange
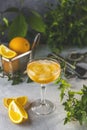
[[19, 45]]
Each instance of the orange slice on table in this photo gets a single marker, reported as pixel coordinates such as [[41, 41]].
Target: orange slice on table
[[21, 100], [6, 52], [17, 113]]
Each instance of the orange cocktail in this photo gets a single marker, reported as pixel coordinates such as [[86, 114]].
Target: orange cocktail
[[43, 71]]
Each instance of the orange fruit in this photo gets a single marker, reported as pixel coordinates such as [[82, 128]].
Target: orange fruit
[[7, 101], [10, 66], [17, 113], [6, 52], [19, 45], [22, 100]]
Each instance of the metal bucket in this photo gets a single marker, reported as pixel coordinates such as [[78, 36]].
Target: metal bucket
[[18, 63]]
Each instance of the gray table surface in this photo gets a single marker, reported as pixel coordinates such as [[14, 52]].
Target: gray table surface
[[53, 121]]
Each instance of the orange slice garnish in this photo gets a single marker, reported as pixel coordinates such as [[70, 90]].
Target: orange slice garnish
[[6, 52]]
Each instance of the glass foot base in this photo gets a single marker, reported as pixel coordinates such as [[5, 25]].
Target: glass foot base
[[42, 109]]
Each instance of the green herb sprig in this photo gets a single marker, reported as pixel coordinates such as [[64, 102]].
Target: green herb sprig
[[66, 24], [63, 86], [18, 78], [75, 103]]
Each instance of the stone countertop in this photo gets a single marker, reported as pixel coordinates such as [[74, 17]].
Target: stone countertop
[[53, 121]]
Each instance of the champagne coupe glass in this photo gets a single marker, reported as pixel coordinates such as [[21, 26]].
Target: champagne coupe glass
[[43, 71]]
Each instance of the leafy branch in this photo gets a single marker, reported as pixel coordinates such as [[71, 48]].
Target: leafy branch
[[66, 24], [74, 102], [18, 78], [24, 21], [63, 86]]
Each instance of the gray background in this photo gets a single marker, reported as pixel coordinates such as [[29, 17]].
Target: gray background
[[41, 6], [38, 5]]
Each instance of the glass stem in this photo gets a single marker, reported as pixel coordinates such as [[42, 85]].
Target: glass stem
[[43, 91]]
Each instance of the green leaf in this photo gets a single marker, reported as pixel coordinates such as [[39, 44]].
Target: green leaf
[[11, 9], [63, 86], [76, 108], [18, 27], [29, 80], [84, 8], [5, 20], [62, 94], [36, 22], [65, 24]]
